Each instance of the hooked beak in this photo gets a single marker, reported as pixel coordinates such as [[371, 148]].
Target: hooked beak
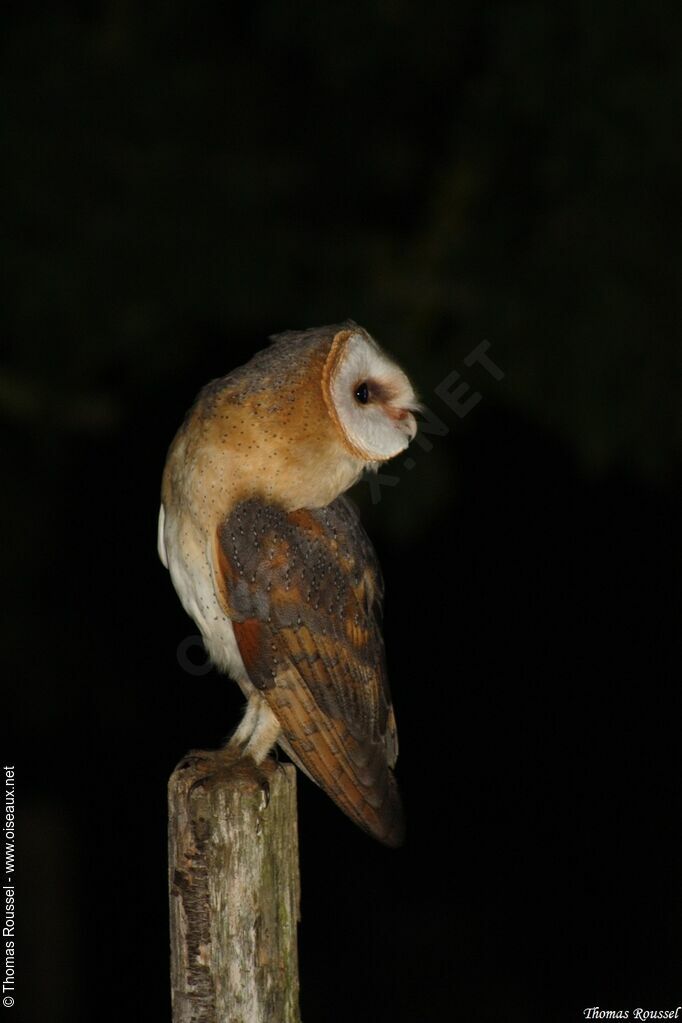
[[404, 420]]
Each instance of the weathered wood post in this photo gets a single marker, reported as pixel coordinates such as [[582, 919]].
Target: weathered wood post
[[234, 897]]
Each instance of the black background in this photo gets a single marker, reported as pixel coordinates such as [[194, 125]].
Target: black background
[[180, 181]]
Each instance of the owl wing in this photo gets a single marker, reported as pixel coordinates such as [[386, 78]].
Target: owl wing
[[304, 590]]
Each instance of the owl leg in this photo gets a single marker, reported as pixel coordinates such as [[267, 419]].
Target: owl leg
[[246, 726], [258, 731]]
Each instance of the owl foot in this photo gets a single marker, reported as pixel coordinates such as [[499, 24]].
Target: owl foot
[[215, 768]]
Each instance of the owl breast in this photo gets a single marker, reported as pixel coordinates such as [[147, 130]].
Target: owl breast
[[186, 553]]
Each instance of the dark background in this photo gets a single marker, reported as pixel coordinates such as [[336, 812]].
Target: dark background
[[178, 182]]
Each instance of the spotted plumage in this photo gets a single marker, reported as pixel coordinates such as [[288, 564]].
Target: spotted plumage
[[274, 566]]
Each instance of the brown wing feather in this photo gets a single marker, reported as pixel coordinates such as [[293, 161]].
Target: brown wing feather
[[304, 592]]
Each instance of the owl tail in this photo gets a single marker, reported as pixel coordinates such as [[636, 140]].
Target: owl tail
[[371, 800]]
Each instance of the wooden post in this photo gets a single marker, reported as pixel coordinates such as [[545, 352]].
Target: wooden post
[[234, 896]]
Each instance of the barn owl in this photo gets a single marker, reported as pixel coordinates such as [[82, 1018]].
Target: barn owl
[[273, 565]]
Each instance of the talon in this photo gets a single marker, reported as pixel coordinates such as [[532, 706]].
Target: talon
[[191, 759], [197, 783]]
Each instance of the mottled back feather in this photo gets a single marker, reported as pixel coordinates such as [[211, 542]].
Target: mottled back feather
[[304, 591]]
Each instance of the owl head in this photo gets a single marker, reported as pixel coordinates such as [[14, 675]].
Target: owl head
[[299, 422]]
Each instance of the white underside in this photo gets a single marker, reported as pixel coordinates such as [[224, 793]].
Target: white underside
[[186, 554]]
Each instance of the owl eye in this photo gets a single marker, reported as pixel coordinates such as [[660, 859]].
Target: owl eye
[[362, 393]]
